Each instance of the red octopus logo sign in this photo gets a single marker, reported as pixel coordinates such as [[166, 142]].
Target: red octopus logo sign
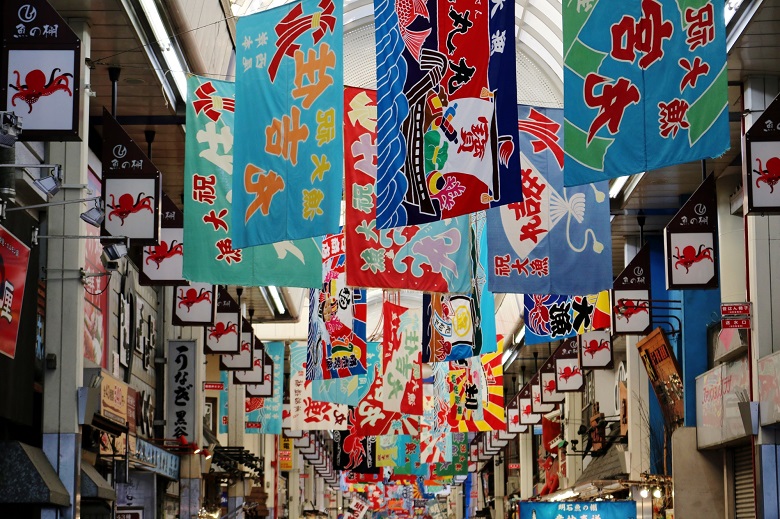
[[13, 273]]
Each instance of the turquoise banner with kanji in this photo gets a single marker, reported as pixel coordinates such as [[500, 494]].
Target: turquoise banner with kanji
[[289, 144], [646, 86], [211, 256]]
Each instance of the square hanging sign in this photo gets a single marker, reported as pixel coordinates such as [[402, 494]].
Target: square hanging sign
[[690, 244], [596, 350], [762, 162], [223, 336], [40, 64], [162, 263], [631, 296], [194, 304]]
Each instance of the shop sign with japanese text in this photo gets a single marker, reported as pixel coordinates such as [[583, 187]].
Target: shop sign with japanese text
[[181, 395], [13, 272]]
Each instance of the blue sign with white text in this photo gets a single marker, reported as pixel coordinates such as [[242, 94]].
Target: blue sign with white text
[[579, 510]]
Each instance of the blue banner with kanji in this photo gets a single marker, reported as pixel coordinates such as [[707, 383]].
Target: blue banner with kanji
[[446, 88], [646, 85], [264, 415], [289, 141], [211, 255], [349, 390], [558, 239]]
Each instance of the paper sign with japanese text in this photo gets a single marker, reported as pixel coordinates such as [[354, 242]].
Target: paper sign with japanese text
[[289, 141]]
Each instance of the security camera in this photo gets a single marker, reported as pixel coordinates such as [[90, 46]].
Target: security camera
[[109, 264]]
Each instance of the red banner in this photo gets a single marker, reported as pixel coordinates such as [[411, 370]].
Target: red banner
[[13, 273]]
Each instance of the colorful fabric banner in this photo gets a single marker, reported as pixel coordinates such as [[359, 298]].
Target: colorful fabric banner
[[307, 413], [390, 449], [352, 451], [477, 393], [401, 355], [545, 243], [435, 436], [289, 83], [646, 86], [553, 317], [447, 138], [211, 256], [337, 319], [264, 415], [429, 257], [349, 390], [459, 463]]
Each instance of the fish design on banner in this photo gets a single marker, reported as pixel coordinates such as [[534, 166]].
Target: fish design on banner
[[447, 142]]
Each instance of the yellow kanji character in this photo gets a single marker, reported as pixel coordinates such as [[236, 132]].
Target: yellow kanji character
[[312, 198], [326, 126], [321, 166]]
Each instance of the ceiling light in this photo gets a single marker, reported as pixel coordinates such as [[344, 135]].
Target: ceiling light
[[166, 45], [94, 216], [657, 492], [277, 299], [644, 493], [519, 335], [617, 186]]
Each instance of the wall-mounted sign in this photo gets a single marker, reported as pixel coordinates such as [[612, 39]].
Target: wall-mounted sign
[[194, 304], [243, 360], [145, 331], [213, 386], [14, 256], [40, 64], [690, 244], [631, 313], [761, 167], [223, 336], [718, 419], [525, 407], [162, 263], [596, 350], [568, 373], [537, 404], [579, 509], [180, 420], [734, 309], [113, 399], [285, 453], [157, 460], [665, 376]]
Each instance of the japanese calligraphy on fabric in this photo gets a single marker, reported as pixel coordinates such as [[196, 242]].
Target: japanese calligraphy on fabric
[[428, 257], [401, 356], [447, 142], [349, 390], [477, 393], [371, 415], [337, 319], [353, 451], [553, 317], [289, 84], [208, 183], [646, 86], [458, 465], [264, 415], [545, 243], [435, 436], [411, 465], [307, 413]]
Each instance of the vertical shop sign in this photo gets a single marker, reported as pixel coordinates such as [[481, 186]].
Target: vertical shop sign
[[96, 309], [41, 64], [761, 166], [162, 263], [665, 376], [180, 420], [13, 272]]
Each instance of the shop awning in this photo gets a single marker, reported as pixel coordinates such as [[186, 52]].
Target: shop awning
[[93, 485], [612, 465], [27, 477]]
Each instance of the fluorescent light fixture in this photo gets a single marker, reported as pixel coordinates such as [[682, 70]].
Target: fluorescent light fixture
[[164, 41], [519, 335], [617, 186], [276, 296], [731, 9]]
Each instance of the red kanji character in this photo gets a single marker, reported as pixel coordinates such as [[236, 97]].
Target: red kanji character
[[217, 220], [671, 116], [611, 102], [283, 137], [694, 70], [545, 130], [531, 186], [501, 265], [315, 409], [203, 190], [293, 25], [520, 268], [701, 26], [227, 252], [644, 35], [540, 266], [532, 230]]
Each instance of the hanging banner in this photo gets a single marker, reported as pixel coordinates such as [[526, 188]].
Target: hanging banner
[[656, 70], [289, 149], [447, 136], [435, 436], [161, 264], [307, 413], [41, 64], [194, 304], [596, 350], [337, 319], [401, 355], [525, 407], [690, 241], [349, 390], [761, 167], [545, 243], [182, 395], [264, 415], [568, 374], [208, 185], [259, 378], [429, 257], [14, 256], [243, 360], [223, 337], [96, 305], [390, 449], [665, 376], [553, 317], [477, 394], [354, 452], [631, 311], [537, 404], [458, 464], [548, 382]]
